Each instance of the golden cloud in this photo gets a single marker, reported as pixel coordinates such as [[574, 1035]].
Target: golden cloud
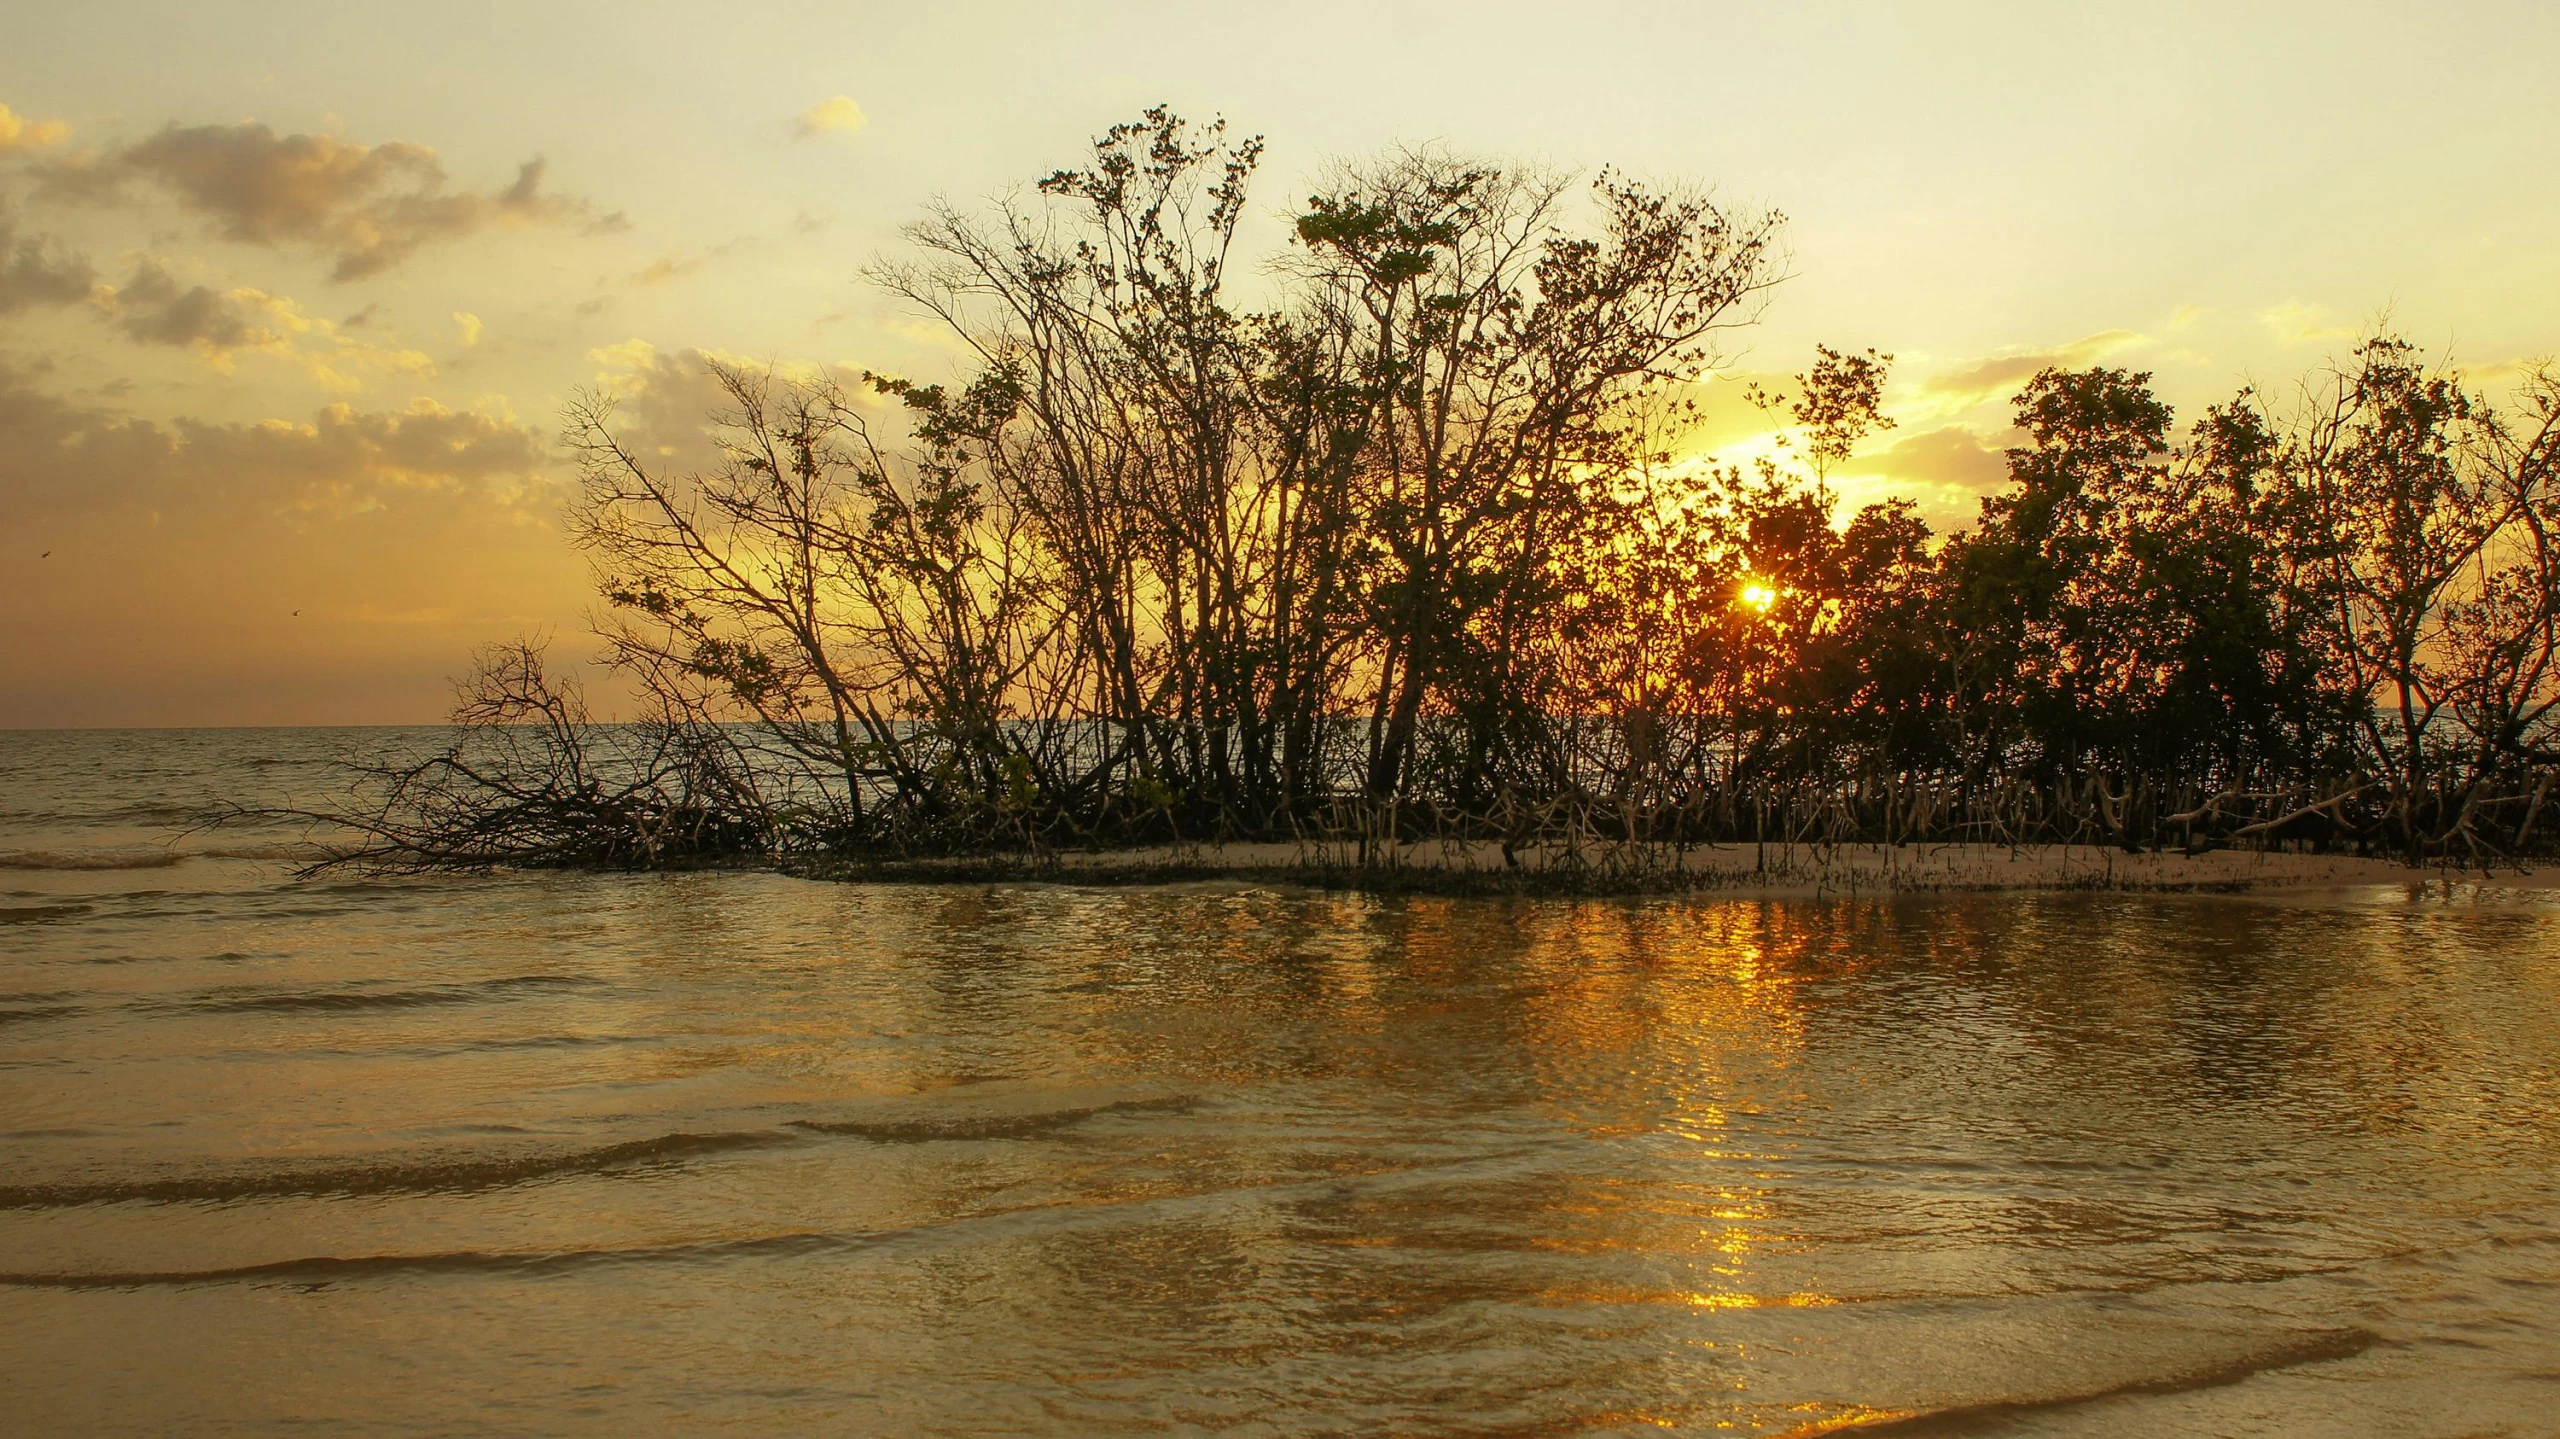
[[1954, 455], [2000, 376], [665, 404], [57, 457], [2297, 323], [1945, 472], [632, 354], [17, 132], [839, 116], [155, 308]]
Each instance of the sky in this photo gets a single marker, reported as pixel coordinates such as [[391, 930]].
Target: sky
[[291, 296]]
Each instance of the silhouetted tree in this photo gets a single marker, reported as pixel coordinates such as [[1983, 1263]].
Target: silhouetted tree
[[1405, 534]]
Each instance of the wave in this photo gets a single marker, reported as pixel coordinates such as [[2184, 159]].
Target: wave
[[299, 851], [32, 913], [324, 1269], [448, 1049], [228, 956], [2314, 1347], [234, 1001], [287, 851], [444, 1176], [90, 859], [465, 1175], [143, 812], [983, 1126], [493, 1046]]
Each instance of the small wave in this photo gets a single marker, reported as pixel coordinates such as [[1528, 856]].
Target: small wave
[[470, 1174], [232, 1001], [88, 859], [148, 810], [228, 956], [448, 1049], [300, 852], [141, 813], [515, 1042], [430, 1177], [1009, 1221], [324, 1269], [26, 1013], [2314, 1347], [31, 913], [982, 1126]]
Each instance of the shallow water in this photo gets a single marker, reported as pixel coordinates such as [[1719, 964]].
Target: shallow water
[[571, 1153]]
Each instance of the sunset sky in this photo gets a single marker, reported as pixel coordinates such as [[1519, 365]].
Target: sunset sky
[[291, 295]]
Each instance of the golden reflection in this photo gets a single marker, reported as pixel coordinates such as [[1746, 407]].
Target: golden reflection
[[1845, 1418], [1803, 1300], [1666, 1023]]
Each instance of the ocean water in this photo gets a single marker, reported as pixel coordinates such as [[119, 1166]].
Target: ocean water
[[559, 1154]]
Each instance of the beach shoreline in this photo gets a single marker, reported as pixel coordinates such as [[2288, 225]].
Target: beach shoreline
[[1742, 870]]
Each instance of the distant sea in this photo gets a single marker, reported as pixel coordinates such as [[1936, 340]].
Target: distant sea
[[561, 1153]]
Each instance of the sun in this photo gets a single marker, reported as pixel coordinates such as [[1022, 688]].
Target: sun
[[1759, 596]]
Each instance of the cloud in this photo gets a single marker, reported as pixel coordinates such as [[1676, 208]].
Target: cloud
[[1945, 471], [632, 355], [17, 132], [466, 325], [669, 268], [261, 572], [2296, 323], [34, 272], [664, 404], [155, 308], [32, 420], [664, 269], [2001, 375], [366, 208], [838, 116], [347, 453], [1948, 455], [667, 405], [60, 457]]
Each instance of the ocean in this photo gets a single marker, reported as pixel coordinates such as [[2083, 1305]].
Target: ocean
[[569, 1153]]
